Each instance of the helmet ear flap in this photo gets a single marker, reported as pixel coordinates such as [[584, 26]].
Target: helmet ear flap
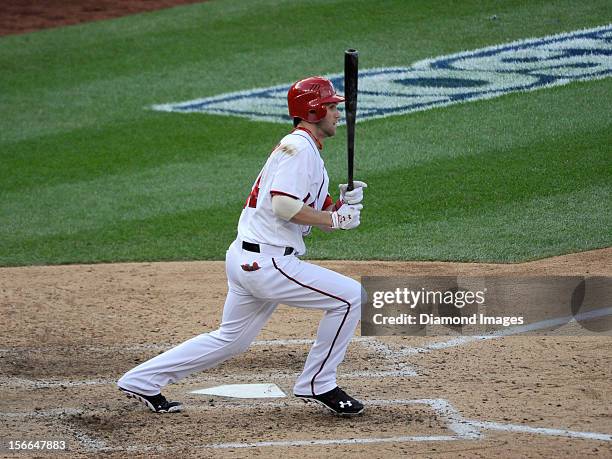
[[316, 114]]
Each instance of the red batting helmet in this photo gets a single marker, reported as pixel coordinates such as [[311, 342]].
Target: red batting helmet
[[306, 98]]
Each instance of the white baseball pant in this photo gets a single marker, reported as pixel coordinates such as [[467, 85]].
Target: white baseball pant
[[252, 298]]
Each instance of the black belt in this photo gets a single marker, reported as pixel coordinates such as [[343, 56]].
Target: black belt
[[255, 248]]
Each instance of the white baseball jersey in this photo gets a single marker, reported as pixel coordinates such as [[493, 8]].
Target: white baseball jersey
[[258, 282], [295, 168]]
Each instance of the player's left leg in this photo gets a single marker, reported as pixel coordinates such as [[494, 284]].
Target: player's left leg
[[243, 318]]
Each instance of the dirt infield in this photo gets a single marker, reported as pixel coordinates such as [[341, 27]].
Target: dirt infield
[[70, 331]]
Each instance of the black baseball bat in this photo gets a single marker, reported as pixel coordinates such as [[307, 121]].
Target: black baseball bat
[[351, 59]]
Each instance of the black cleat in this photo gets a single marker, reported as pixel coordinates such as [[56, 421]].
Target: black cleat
[[156, 403], [337, 401]]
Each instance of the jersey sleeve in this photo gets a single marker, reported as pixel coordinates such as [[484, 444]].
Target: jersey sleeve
[[291, 176]]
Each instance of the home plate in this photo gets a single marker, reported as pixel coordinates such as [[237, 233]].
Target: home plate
[[244, 391]]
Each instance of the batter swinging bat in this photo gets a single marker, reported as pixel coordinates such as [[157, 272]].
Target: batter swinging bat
[[351, 57]]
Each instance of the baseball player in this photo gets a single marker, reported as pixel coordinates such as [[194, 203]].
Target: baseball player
[[288, 198]]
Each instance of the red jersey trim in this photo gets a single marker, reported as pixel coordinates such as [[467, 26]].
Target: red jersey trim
[[300, 128], [282, 193], [328, 202]]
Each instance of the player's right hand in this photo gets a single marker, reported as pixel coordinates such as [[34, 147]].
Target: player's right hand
[[346, 217]]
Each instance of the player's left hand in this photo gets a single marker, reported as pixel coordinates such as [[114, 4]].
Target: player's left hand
[[354, 196]]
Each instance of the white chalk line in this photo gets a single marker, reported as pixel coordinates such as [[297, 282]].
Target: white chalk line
[[487, 425], [285, 342], [456, 423], [380, 348], [33, 384], [516, 330], [441, 408], [371, 343], [371, 340], [338, 441], [29, 384], [376, 345], [226, 404], [167, 346], [462, 429]]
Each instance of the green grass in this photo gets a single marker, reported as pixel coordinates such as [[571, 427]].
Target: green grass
[[88, 174]]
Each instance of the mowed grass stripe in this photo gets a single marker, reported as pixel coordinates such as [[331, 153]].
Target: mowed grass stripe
[[197, 234], [228, 146], [512, 121], [70, 208], [406, 211], [62, 79], [513, 232], [397, 142], [176, 37], [461, 189], [505, 232]]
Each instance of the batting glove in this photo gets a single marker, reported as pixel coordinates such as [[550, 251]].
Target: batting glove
[[346, 217], [354, 196]]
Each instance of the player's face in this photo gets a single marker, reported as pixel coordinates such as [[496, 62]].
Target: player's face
[[328, 124]]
